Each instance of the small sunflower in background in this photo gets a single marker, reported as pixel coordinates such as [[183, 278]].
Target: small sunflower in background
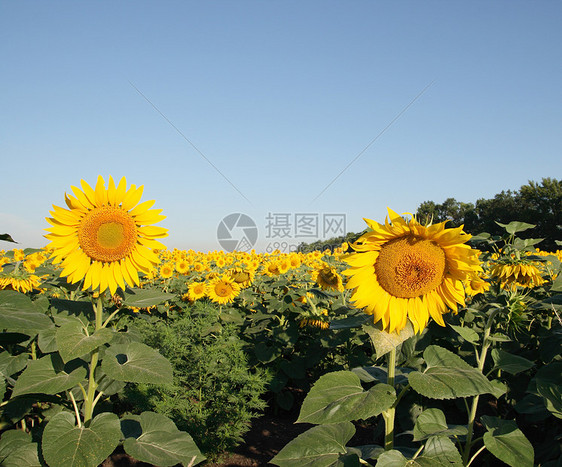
[[196, 291], [20, 281], [222, 290], [512, 272], [403, 270], [327, 278], [105, 237], [182, 266], [166, 270], [243, 276]]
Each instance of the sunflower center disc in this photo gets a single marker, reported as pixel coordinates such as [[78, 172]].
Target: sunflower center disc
[[107, 234], [409, 266], [222, 290]]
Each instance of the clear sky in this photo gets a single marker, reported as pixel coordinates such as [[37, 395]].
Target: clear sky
[[459, 99]]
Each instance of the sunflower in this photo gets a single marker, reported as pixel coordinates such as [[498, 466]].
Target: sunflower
[[404, 270], [182, 266], [243, 276], [166, 270], [521, 273], [475, 285], [105, 237], [222, 290], [327, 278], [19, 281], [196, 290]]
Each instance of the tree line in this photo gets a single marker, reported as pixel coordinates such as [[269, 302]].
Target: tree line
[[534, 203]]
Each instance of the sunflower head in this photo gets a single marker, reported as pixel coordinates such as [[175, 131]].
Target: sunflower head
[[222, 290], [402, 270], [327, 278], [105, 237]]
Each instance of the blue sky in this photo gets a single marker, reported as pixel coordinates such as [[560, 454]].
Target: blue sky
[[280, 96]]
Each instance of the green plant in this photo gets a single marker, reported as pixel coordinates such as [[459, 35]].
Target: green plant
[[214, 394], [61, 362], [467, 394]]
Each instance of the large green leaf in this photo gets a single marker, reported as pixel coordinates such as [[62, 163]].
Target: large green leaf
[[73, 340], [144, 298], [468, 334], [18, 313], [48, 375], [384, 341], [10, 365], [549, 385], [136, 363], [516, 226], [46, 340], [339, 397], [66, 445], [447, 376], [158, 441], [431, 422], [507, 442], [439, 451], [510, 363], [321, 446], [17, 450]]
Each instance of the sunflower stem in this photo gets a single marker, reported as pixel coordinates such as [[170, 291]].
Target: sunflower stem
[[388, 415], [481, 359], [90, 399]]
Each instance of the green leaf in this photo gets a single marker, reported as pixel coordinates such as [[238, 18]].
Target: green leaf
[[7, 238], [321, 446], [48, 375], [158, 441], [369, 374], [339, 397], [384, 341], [509, 363], [468, 334], [145, 298], [351, 322], [10, 365], [18, 313], [67, 445], [439, 451], [73, 341], [507, 442], [549, 386], [394, 458], [557, 284], [515, 226], [17, 450], [46, 340], [136, 363], [448, 376], [432, 422]]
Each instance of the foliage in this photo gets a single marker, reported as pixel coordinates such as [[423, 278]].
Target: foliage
[[214, 394], [538, 204], [61, 361], [499, 359]]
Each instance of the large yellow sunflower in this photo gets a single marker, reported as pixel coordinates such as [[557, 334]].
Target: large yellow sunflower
[[105, 237], [405, 270]]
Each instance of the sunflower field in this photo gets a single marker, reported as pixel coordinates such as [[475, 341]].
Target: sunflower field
[[445, 347]]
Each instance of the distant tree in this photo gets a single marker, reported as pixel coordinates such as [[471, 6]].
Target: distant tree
[[534, 203]]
